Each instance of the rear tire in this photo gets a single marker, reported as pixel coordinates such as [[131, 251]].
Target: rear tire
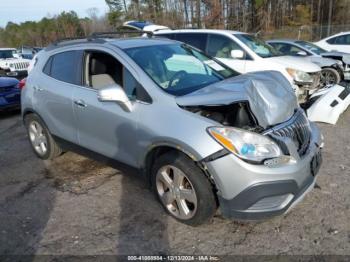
[[42, 142], [183, 189], [330, 76]]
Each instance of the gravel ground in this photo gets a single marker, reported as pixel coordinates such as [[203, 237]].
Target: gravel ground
[[77, 206]]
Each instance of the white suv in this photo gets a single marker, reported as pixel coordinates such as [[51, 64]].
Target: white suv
[[246, 53], [11, 64]]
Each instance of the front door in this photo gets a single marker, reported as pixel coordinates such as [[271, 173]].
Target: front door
[[105, 127]]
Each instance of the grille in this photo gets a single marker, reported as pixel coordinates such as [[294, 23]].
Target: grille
[[297, 129], [6, 88], [21, 65]]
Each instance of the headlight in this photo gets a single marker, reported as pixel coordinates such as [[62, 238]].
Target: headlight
[[244, 144], [299, 76], [10, 65]]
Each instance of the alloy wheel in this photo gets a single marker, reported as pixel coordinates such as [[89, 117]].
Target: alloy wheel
[[176, 192], [37, 138], [329, 78]]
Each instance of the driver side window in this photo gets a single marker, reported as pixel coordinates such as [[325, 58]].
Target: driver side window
[[221, 46], [102, 70]]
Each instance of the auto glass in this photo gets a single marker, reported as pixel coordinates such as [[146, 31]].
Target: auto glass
[[6, 54], [179, 69], [258, 46], [313, 48], [221, 46]]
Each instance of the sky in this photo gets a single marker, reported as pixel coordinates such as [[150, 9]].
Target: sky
[[34, 10]]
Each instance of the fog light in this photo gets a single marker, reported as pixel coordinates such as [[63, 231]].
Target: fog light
[[12, 74]]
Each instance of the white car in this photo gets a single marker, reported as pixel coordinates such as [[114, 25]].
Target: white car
[[339, 42], [246, 53], [11, 64]]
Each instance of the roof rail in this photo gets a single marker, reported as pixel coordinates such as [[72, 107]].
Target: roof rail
[[68, 39], [121, 32], [97, 37]]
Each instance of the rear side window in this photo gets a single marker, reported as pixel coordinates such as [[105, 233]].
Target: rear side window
[[197, 40], [331, 40], [47, 67], [65, 67], [342, 40]]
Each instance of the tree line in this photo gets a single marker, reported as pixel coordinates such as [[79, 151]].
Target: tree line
[[315, 17]]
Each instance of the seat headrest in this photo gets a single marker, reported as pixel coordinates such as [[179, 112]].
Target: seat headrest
[[97, 68]]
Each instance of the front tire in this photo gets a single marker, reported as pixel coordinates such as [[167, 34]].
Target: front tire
[[183, 189], [330, 76], [42, 142]]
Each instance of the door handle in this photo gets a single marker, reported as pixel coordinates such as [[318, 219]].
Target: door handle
[[80, 103]]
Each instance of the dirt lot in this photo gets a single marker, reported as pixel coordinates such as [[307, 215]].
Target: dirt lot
[[77, 206]]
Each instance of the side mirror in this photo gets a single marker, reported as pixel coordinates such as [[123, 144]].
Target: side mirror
[[116, 94], [302, 53], [237, 54]]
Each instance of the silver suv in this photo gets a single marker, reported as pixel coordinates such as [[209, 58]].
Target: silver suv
[[201, 134]]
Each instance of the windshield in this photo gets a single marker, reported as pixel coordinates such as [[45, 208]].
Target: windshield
[[6, 54], [313, 48], [179, 69], [258, 46]]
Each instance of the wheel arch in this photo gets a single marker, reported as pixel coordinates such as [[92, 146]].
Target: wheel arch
[[29, 111], [159, 149]]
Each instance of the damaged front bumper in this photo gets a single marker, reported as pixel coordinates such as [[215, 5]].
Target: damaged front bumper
[[250, 192]]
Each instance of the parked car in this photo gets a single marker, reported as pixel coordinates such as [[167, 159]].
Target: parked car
[[10, 93], [11, 64], [332, 70], [201, 134], [246, 53], [28, 52], [338, 42]]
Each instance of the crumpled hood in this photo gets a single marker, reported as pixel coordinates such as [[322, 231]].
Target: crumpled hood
[[269, 94], [345, 57], [321, 61], [300, 63]]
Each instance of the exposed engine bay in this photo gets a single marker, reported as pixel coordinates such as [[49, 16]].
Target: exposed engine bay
[[235, 115]]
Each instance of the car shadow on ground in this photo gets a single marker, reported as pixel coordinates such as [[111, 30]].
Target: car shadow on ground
[[23, 187]]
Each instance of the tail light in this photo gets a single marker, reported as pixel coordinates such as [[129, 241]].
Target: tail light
[[22, 83]]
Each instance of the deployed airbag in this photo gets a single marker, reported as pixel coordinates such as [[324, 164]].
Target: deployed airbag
[[270, 96]]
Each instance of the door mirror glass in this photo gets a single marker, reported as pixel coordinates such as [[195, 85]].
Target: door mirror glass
[[301, 53], [237, 54], [116, 94]]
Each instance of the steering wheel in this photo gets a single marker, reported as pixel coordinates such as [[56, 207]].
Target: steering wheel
[[177, 75]]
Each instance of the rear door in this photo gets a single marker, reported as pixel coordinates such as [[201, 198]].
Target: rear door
[[53, 93]]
